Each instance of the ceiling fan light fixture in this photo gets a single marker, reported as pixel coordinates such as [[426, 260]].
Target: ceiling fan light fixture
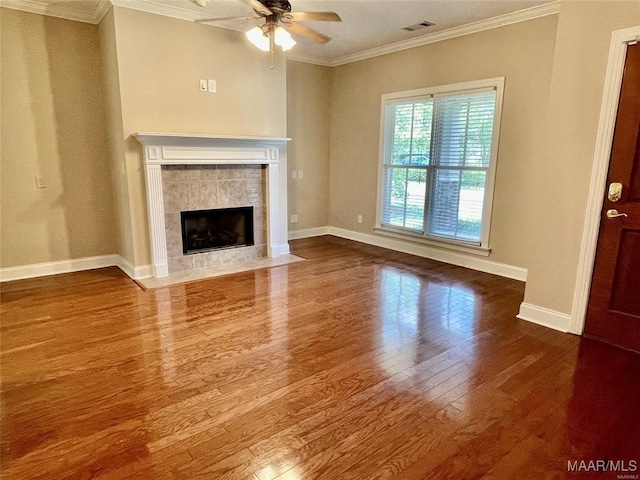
[[278, 21], [258, 37], [283, 39]]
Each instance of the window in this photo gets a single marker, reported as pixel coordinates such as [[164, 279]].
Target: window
[[438, 155]]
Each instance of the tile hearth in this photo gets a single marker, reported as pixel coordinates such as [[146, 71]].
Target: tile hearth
[[210, 272]]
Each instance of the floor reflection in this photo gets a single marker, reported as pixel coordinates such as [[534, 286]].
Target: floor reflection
[[416, 309], [167, 313], [420, 319], [603, 421]]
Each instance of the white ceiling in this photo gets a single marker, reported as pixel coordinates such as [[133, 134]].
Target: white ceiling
[[368, 27]]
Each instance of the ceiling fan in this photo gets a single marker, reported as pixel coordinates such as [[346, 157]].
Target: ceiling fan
[[279, 21]]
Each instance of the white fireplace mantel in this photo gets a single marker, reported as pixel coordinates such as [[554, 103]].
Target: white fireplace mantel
[[189, 149]]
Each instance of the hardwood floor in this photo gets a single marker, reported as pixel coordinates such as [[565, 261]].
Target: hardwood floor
[[358, 363]]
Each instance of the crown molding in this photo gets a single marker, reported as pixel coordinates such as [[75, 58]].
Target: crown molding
[[515, 17], [475, 27], [100, 11], [150, 6], [59, 10], [295, 57]]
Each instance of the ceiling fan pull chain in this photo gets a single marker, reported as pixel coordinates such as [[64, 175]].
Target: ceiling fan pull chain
[[271, 50]]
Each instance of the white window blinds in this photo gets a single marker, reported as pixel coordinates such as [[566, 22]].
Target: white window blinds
[[437, 155]]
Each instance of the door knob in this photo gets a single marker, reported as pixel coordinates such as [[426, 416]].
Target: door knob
[[613, 213]]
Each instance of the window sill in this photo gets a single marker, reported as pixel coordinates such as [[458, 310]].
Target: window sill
[[448, 244]]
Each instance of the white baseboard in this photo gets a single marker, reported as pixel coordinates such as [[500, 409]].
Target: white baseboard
[[146, 271], [434, 253], [75, 265], [135, 273], [308, 232], [545, 317], [53, 268], [281, 249]]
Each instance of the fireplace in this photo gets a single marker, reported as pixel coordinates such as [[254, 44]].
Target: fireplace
[[206, 230], [250, 154]]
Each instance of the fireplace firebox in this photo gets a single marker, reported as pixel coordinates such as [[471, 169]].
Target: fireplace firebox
[[206, 230]]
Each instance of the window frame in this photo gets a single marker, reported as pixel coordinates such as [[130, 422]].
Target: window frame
[[481, 248]]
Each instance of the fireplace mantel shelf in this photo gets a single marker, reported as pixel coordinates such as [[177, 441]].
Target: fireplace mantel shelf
[[195, 149], [201, 140]]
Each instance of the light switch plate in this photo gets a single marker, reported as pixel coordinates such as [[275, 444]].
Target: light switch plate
[[203, 85]]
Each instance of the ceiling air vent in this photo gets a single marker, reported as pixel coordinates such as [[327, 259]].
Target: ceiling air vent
[[418, 26]]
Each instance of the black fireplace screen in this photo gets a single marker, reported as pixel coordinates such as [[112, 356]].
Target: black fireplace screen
[[204, 230]]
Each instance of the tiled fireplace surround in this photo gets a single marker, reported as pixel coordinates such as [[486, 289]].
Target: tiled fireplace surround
[[205, 187], [198, 172]]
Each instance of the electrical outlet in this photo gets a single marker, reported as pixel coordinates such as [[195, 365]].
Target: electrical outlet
[[300, 175], [203, 85], [41, 182], [212, 86], [359, 218], [294, 218]]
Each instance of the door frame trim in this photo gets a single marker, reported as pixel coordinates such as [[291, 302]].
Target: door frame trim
[[604, 140]]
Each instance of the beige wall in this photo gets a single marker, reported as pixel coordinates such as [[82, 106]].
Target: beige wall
[[522, 53], [160, 63], [562, 176], [52, 118], [67, 119], [114, 130], [308, 113]]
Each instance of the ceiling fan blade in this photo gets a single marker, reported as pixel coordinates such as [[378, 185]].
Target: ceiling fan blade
[[306, 32], [259, 7], [220, 19], [312, 16]]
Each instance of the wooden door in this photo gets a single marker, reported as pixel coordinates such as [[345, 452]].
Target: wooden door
[[613, 314]]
